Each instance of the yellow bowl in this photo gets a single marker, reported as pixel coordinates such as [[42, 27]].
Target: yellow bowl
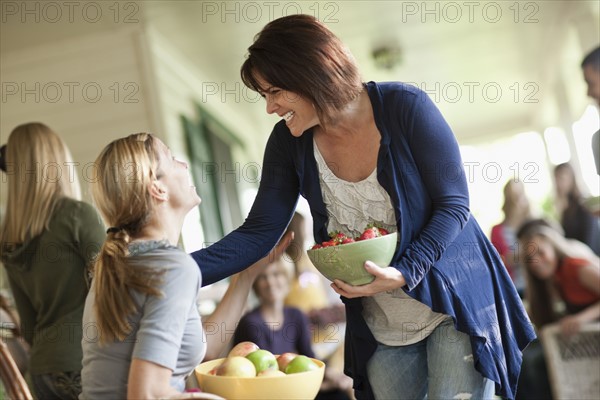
[[301, 386], [346, 262]]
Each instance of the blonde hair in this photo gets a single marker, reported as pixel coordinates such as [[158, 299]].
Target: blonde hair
[[38, 174], [126, 169], [511, 202]]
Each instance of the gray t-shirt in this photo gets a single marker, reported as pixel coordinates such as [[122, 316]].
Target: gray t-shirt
[[167, 330]]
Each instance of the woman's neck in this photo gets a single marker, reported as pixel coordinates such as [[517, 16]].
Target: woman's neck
[[351, 119], [272, 312], [162, 225]]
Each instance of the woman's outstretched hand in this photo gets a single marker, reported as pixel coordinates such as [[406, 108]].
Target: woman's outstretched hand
[[385, 279]]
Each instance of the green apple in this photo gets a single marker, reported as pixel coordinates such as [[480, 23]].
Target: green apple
[[236, 366], [300, 364], [262, 360]]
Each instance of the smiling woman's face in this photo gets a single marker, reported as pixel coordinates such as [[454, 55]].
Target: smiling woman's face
[[175, 175], [272, 285], [298, 113], [541, 258]]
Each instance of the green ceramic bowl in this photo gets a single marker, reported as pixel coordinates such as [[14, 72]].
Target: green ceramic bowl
[[346, 262]]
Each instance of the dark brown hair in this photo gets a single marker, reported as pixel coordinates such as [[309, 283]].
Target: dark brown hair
[[299, 54]]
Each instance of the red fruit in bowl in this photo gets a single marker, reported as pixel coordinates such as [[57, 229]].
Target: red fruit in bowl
[[242, 349], [347, 240], [284, 359], [370, 233], [382, 231], [316, 246]]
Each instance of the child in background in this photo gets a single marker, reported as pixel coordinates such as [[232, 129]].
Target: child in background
[[281, 329]]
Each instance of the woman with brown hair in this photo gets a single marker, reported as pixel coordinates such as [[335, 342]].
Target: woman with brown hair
[[559, 270], [48, 239], [142, 331], [575, 218], [381, 153], [563, 286]]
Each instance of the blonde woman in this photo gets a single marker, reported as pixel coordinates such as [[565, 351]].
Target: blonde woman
[[516, 211], [47, 240], [142, 331]]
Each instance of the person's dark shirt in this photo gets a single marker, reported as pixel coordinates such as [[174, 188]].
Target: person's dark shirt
[[293, 336]]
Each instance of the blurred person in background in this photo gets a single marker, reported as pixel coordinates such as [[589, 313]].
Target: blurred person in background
[[48, 238], [576, 219], [563, 286], [381, 153], [307, 290], [591, 73], [516, 211], [148, 334], [563, 270], [284, 329]]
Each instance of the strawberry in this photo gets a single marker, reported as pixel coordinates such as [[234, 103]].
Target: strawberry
[[382, 231], [316, 246], [329, 243], [339, 238], [370, 233], [347, 240]]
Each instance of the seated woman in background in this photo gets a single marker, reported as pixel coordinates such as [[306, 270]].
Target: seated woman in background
[[281, 329], [504, 235], [558, 270], [576, 219], [143, 332], [48, 239]]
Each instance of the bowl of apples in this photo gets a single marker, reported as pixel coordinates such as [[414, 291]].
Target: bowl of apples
[[249, 372], [343, 257]]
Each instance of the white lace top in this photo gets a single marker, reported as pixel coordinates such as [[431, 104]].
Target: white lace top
[[393, 317]]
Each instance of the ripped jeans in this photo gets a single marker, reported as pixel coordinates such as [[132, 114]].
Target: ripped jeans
[[439, 367]]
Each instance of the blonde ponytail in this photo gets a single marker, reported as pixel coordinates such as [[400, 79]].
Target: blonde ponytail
[[126, 168]]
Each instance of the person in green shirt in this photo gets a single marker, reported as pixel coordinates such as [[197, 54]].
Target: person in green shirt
[[48, 238]]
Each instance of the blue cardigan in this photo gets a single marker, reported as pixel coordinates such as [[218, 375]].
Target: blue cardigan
[[446, 259]]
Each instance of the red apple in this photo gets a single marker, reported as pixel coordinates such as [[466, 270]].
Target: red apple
[[284, 359], [242, 349], [236, 366]]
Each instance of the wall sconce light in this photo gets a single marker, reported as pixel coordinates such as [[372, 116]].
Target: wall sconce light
[[387, 57]]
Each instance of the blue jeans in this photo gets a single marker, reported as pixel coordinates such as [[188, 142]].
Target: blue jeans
[[439, 367]]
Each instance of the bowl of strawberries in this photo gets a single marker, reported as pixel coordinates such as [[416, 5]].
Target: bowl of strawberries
[[343, 257]]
